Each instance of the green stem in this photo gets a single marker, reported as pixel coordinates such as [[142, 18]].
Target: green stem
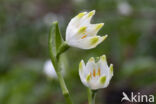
[[64, 88], [55, 62], [91, 96], [65, 91], [62, 49]]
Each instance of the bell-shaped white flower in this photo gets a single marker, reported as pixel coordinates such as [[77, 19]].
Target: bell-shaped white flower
[[96, 75], [81, 33], [49, 70]]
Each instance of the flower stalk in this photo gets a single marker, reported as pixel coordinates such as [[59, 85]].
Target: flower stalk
[[62, 49], [91, 96]]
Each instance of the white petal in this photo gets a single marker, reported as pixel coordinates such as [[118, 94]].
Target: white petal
[[102, 64], [73, 25], [105, 70], [93, 29], [81, 73], [82, 69], [81, 20], [88, 42], [111, 71], [90, 65], [86, 31], [87, 18], [81, 65], [94, 85], [79, 33], [109, 76]]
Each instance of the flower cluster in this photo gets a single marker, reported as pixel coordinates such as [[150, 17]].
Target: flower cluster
[[80, 33]]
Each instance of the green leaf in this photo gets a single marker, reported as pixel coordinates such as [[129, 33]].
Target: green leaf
[[58, 37], [54, 42], [55, 37]]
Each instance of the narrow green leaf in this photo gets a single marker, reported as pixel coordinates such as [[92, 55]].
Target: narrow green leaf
[[58, 38], [51, 43], [56, 43]]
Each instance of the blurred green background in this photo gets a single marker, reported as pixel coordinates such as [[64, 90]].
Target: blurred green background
[[130, 46]]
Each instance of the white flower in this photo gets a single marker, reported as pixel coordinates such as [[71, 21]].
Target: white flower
[[96, 75], [124, 8], [50, 71], [81, 34]]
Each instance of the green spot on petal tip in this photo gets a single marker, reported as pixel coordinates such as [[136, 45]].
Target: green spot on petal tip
[[103, 79], [99, 26], [80, 66], [90, 14], [111, 68], [94, 40], [80, 15], [91, 59], [103, 57]]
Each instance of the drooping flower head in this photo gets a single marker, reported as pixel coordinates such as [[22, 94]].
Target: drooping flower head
[[96, 75], [81, 33]]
